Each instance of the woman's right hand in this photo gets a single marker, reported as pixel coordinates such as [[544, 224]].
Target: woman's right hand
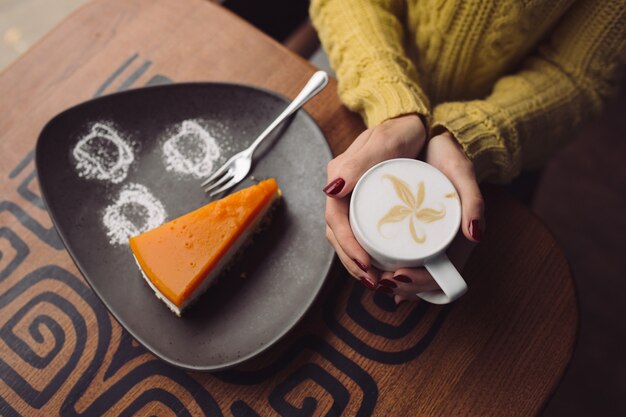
[[446, 154], [401, 137]]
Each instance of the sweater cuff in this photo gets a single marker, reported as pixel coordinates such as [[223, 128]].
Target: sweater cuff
[[487, 135], [387, 100]]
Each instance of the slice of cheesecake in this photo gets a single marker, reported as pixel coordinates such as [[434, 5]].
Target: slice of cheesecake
[[180, 259]]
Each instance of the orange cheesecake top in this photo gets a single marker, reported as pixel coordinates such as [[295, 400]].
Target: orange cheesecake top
[[178, 255]]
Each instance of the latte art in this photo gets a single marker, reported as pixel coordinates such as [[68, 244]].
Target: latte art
[[404, 209], [411, 209]]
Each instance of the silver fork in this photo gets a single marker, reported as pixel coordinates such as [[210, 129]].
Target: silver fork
[[238, 166]]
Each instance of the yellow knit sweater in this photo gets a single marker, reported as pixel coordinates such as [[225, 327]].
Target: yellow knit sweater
[[510, 79]]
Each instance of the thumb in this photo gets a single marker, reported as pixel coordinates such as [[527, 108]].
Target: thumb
[[343, 173], [472, 203], [396, 137], [446, 154]]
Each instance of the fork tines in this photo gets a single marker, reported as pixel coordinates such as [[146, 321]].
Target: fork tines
[[219, 177]]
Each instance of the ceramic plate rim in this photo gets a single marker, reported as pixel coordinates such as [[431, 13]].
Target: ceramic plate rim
[[53, 216]]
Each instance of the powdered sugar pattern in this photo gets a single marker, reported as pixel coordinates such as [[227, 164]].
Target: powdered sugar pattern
[[191, 151], [135, 211], [103, 154]]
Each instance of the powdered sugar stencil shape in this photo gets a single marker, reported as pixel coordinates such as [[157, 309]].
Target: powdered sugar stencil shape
[[135, 211], [191, 151], [103, 155]]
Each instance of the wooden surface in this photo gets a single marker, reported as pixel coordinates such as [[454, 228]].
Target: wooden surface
[[499, 351]]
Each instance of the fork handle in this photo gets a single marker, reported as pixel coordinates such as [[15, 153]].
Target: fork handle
[[315, 84]]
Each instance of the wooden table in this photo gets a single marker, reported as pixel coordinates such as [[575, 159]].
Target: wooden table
[[498, 351]]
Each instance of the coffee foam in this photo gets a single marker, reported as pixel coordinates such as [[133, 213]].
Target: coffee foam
[[405, 210]]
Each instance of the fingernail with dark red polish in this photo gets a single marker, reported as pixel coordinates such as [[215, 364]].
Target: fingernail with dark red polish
[[368, 284], [474, 229], [335, 186], [360, 265], [384, 290], [402, 278], [388, 283]]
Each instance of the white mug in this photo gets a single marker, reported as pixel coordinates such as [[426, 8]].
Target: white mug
[[405, 213]]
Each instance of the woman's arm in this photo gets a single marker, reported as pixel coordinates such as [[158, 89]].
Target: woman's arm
[[364, 42], [531, 113]]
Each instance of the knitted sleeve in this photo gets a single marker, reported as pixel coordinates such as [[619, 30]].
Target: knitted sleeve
[[529, 115], [364, 42]]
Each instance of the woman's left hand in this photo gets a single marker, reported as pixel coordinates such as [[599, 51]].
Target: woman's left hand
[[445, 153], [400, 137]]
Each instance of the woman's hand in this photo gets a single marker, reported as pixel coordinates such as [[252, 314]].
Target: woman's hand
[[395, 138], [445, 153], [401, 137]]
